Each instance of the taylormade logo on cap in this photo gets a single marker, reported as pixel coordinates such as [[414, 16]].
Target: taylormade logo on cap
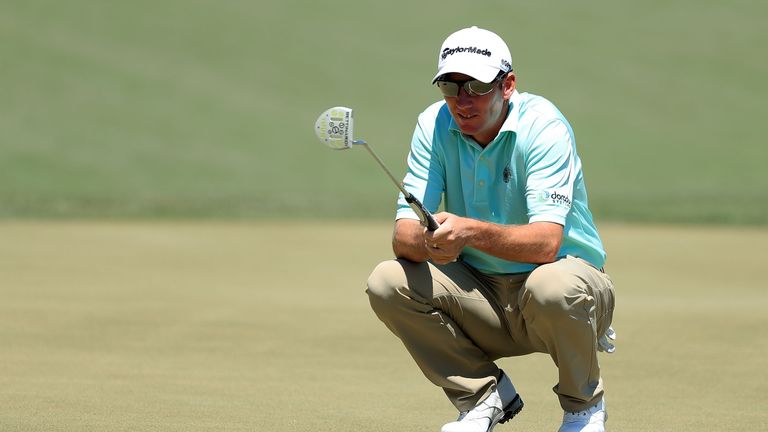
[[473, 50], [476, 52]]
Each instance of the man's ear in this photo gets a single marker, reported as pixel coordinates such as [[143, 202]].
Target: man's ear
[[509, 85]]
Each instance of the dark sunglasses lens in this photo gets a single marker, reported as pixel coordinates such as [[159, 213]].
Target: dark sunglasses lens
[[449, 89], [478, 88]]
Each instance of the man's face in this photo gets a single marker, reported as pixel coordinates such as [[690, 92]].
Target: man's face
[[480, 117]]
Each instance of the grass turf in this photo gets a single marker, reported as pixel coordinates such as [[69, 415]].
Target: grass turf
[[265, 326]]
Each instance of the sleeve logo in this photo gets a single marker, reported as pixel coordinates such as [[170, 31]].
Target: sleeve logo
[[555, 198]]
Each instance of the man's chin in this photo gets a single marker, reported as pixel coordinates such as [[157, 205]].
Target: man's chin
[[468, 129]]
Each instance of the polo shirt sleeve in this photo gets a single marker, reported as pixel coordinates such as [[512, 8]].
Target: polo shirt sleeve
[[551, 168], [424, 179]]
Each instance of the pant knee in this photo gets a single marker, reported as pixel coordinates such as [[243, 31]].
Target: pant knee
[[384, 282], [551, 292]]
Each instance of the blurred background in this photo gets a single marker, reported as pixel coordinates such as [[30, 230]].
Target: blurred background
[[200, 109]]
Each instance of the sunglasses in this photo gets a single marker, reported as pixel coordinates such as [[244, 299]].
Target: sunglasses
[[473, 87]]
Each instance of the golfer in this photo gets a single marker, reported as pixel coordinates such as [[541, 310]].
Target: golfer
[[516, 266]]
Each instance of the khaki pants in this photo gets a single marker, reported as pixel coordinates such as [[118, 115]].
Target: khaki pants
[[455, 321]]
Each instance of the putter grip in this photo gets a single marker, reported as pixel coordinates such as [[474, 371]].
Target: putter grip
[[424, 215]]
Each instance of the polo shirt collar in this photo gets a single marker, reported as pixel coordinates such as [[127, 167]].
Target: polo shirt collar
[[513, 116]]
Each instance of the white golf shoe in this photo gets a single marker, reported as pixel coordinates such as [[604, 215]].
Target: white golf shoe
[[589, 420], [491, 411]]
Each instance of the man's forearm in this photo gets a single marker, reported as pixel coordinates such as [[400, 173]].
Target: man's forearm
[[408, 240], [536, 243]]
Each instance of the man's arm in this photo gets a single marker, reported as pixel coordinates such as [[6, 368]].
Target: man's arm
[[408, 240], [536, 243]]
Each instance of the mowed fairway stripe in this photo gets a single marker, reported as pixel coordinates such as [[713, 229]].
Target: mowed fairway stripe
[[265, 326]]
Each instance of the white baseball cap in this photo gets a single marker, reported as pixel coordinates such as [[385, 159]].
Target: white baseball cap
[[476, 52]]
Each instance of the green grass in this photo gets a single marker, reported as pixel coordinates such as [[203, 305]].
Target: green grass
[[263, 326], [205, 109]]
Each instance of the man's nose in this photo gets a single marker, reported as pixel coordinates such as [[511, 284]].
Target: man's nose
[[463, 98]]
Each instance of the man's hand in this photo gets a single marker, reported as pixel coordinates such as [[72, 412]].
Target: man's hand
[[445, 244]]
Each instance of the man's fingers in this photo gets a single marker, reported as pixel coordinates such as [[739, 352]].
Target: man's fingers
[[441, 217], [438, 255], [444, 259]]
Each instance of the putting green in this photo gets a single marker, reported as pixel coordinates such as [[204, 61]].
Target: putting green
[[265, 326]]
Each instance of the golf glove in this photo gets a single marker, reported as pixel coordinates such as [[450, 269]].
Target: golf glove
[[605, 342]]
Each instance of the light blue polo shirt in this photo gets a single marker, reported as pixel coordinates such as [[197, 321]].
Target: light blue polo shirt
[[529, 173]]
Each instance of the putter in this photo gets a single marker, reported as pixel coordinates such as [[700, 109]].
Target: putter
[[334, 129]]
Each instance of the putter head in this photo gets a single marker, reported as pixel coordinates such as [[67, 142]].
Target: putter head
[[334, 128]]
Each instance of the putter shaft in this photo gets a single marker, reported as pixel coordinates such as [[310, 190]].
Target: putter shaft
[[384, 167]]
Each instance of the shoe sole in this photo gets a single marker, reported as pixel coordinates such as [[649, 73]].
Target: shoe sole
[[510, 411]]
